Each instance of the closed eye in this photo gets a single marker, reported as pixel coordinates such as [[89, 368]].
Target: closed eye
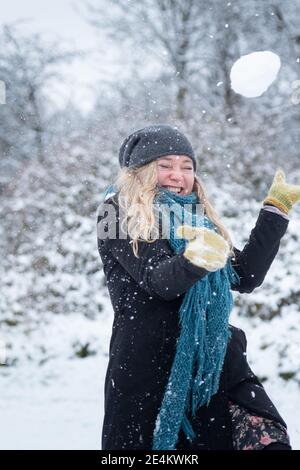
[[168, 166]]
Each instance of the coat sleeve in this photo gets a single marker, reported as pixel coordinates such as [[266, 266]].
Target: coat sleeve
[[157, 270], [254, 261]]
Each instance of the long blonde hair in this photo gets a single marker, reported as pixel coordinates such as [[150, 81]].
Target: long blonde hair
[[137, 188]]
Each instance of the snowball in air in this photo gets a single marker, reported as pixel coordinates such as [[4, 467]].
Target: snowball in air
[[252, 74]]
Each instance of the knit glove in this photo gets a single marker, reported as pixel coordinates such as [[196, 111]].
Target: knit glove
[[206, 248], [282, 194]]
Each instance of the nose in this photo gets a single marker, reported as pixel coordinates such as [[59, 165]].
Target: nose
[[176, 175]]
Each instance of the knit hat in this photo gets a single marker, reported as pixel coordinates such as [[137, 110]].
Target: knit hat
[[153, 142]]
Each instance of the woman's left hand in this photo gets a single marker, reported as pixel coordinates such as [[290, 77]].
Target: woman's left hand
[[282, 194]]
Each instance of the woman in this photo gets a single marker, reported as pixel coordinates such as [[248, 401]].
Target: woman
[[177, 376]]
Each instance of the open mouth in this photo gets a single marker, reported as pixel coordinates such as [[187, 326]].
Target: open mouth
[[175, 189]]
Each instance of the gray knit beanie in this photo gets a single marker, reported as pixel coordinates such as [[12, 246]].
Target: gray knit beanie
[[152, 142]]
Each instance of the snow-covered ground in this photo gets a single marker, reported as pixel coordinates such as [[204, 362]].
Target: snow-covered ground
[[55, 402], [57, 407]]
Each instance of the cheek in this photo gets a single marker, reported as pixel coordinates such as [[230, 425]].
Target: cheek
[[162, 176], [190, 181]]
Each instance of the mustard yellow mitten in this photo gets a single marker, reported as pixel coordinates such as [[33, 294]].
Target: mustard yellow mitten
[[282, 194], [206, 248]]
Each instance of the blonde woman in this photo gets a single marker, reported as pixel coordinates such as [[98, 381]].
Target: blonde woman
[[177, 377]]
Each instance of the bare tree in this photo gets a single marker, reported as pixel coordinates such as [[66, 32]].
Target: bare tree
[[172, 32], [28, 66]]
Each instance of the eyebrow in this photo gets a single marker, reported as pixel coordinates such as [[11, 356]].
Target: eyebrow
[[186, 160]]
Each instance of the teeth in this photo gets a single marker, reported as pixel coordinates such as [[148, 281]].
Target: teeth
[[172, 188]]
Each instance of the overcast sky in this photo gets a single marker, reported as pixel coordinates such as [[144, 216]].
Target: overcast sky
[[59, 19]]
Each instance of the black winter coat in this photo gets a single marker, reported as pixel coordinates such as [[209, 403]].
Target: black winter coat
[[146, 294]]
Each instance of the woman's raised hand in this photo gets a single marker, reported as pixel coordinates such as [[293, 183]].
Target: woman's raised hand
[[281, 194], [205, 248]]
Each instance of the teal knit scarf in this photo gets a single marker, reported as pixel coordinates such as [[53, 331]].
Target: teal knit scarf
[[201, 346]]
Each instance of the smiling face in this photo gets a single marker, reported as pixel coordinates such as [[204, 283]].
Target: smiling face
[[176, 173]]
